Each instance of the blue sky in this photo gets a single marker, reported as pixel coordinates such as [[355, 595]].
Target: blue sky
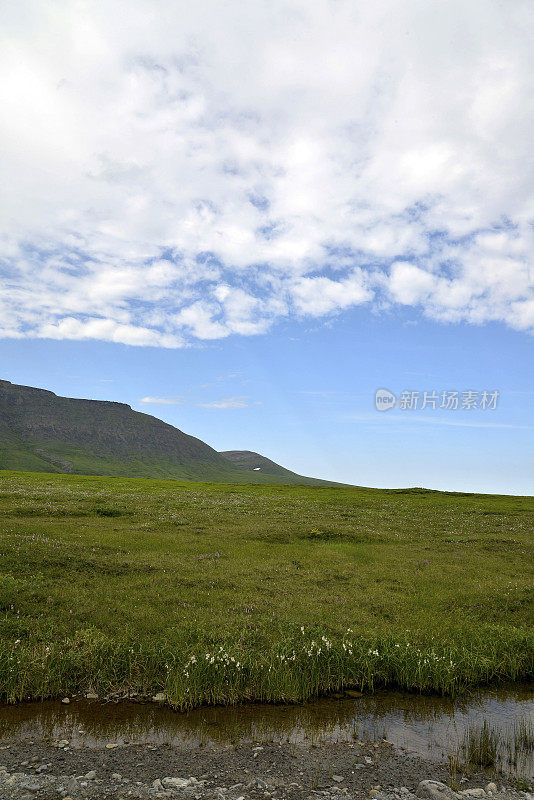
[[259, 213], [304, 396]]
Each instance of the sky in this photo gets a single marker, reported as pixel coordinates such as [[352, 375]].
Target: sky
[[245, 218]]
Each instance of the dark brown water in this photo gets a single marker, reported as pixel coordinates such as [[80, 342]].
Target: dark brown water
[[430, 726]]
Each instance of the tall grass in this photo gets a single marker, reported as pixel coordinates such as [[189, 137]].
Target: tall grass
[[480, 746], [505, 750], [193, 671], [523, 737]]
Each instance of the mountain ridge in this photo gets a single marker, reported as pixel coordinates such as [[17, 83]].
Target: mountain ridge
[[44, 432]]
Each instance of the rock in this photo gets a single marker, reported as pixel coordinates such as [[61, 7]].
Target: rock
[[338, 778], [368, 760], [353, 693], [71, 785], [111, 745], [91, 696], [90, 776], [435, 790], [65, 700], [491, 787], [175, 783], [32, 784], [473, 793], [117, 776], [160, 697]]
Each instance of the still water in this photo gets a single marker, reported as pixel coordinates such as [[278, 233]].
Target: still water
[[427, 725]]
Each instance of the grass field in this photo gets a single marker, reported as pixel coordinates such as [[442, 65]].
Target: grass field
[[220, 593]]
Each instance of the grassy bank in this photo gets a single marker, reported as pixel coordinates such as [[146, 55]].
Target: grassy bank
[[217, 593]]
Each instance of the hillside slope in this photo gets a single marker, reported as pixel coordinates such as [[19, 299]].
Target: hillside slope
[[259, 465], [42, 432]]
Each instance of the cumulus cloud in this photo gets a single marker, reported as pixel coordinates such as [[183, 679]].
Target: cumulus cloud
[[177, 174], [321, 295]]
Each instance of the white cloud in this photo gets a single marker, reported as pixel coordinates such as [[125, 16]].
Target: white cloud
[[228, 402], [198, 318], [317, 296], [176, 176], [409, 284], [163, 401], [107, 329]]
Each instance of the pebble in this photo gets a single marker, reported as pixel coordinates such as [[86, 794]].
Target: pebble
[[65, 700], [175, 787], [338, 778]]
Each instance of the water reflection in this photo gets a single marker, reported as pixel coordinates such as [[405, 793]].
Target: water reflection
[[430, 726]]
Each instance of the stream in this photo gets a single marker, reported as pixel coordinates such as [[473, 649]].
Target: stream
[[430, 726]]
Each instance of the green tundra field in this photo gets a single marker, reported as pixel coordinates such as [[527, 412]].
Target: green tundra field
[[218, 593]]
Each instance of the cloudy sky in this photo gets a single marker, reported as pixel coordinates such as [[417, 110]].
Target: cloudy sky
[[201, 177]]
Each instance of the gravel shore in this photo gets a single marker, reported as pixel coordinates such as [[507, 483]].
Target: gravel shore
[[43, 771]]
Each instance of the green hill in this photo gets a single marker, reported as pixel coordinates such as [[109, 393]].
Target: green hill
[[42, 432], [259, 465]]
